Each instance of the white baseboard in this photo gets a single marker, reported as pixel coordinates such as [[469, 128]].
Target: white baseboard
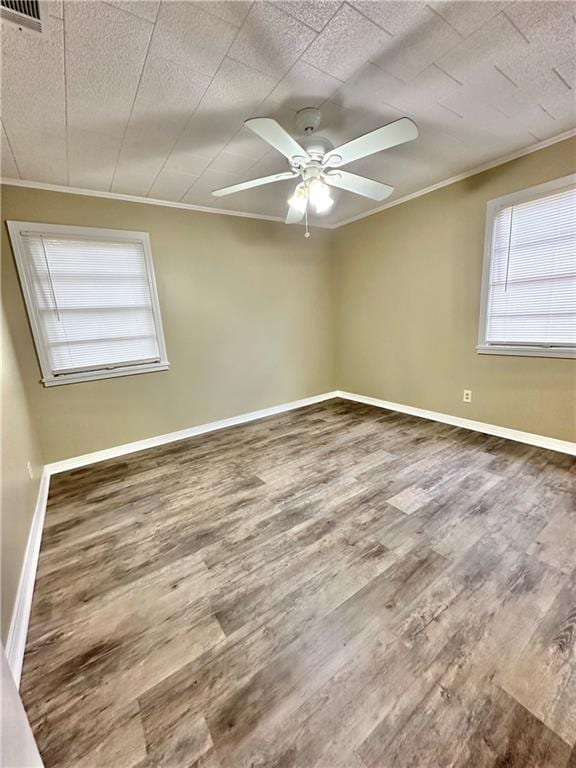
[[182, 434], [16, 642], [19, 625], [540, 441]]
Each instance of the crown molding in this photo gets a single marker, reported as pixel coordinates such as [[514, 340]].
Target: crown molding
[[136, 199], [245, 215], [461, 176]]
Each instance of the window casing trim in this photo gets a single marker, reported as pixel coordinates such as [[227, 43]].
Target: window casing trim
[[49, 379], [493, 207]]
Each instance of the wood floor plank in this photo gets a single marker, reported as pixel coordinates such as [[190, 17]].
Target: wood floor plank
[[335, 587], [543, 676]]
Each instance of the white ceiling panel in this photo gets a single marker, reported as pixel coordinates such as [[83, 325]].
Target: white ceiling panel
[[168, 95], [203, 138], [433, 153], [234, 11], [396, 17], [419, 46], [54, 8], [545, 24], [347, 42], [233, 95], [9, 168], [304, 86], [341, 124], [499, 65], [314, 13], [531, 69], [489, 45], [101, 43], [247, 144], [467, 17], [171, 185], [236, 90], [190, 37], [146, 9], [40, 155], [37, 100], [271, 162], [200, 192], [157, 92], [493, 86], [132, 180], [565, 69], [186, 162], [538, 83], [33, 105], [229, 162], [92, 157], [556, 116], [429, 87], [368, 85], [270, 40], [138, 166], [464, 109]]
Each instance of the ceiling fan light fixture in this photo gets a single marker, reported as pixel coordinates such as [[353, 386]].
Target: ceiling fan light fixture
[[320, 197], [315, 162], [299, 199]]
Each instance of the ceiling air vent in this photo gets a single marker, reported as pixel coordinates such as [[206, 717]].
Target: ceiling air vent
[[25, 13]]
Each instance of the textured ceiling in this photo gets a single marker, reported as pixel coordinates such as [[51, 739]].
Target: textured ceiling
[[147, 98]]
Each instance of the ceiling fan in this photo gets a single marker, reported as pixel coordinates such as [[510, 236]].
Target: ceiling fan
[[317, 163]]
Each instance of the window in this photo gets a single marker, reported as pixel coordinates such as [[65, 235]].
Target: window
[[91, 299], [529, 285]]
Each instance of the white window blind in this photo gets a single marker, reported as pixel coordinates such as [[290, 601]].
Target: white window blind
[[530, 295], [92, 297]]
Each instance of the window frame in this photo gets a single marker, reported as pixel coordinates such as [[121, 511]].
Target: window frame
[[49, 379], [493, 207]]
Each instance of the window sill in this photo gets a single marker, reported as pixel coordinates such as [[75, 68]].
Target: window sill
[[76, 378], [490, 349]]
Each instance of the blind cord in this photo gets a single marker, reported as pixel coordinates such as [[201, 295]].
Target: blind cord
[[52, 290], [509, 246]]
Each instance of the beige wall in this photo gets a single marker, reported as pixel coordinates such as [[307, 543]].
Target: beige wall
[[249, 309], [19, 445], [247, 312], [408, 304]]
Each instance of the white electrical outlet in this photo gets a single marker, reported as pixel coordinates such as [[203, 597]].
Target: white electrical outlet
[[467, 396], [30, 470]]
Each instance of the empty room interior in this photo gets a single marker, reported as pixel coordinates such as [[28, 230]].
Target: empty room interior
[[288, 384]]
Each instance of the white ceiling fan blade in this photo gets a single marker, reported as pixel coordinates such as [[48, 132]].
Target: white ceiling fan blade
[[294, 215], [254, 183], [272, 132], [360, 185], [388, 136]]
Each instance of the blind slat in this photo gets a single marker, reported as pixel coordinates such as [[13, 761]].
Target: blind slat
[[532, 281]]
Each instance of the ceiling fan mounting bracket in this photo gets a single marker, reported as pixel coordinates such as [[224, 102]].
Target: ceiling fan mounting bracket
[[308, 119]]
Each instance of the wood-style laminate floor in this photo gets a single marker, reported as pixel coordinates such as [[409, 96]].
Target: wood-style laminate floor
[[339, 586]]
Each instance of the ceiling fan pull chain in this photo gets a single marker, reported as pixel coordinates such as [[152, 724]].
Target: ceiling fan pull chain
[[307, 233]]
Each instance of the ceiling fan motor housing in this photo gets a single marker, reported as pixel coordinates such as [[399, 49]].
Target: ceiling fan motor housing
[[317, 146]]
